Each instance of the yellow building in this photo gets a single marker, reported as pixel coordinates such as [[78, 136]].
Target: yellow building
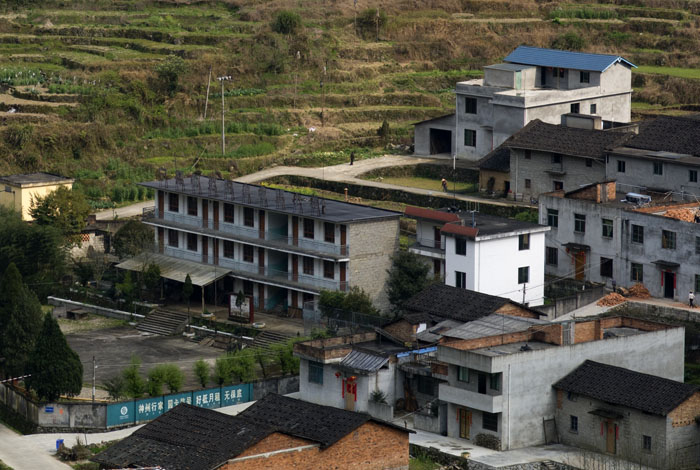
[[17, 191]]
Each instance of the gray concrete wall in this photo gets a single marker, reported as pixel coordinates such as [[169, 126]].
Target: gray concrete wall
[[639, 174], [569, 303], [421, 135], [426, 422], [380, 410], [372, 244]]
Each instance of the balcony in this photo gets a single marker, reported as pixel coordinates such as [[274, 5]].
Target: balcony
[[428, 247], [271, 239], [473, 400], [556, 169]]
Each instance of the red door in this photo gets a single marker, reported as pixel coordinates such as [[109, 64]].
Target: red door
[[295, 268], [261, 224], [295, 230], [261, 260], [205, 249], [205, 213], [343, 240], [161, 204], [216, 215]]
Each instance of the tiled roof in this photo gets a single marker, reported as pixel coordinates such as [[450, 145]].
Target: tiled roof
[[34, 179], [624, 387], [588, 143], [456, 229], [564, 59], [363, 361], [677, 134], [430, 214], [497, 159]]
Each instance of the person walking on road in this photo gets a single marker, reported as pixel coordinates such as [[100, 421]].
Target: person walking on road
[[444, 184], [352, 157], [691, 299]]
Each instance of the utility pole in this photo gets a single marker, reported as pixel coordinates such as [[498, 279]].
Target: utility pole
[[93, 379], [206, 102], [523, 294], [223, 79]]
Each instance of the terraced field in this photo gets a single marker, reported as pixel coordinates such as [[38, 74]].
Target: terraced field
[[108, 91]]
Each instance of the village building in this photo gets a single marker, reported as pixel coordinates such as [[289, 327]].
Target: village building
[[275, 432], [531, 83], [276, 247], [601, 235], [638, 417], [19, 191]]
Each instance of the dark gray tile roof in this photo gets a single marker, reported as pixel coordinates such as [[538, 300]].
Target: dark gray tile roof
[[587, 143], [624, 387], [496, 160], [363, 361], [34, 178], [276, 200], [676, 134], [493, 225]]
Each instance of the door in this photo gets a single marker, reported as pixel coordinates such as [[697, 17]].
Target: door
[[669, 281], [216, 215], [216, 251], [465, 422], [506, 188], [350, 395], [436, 237], [161, 239], [295, 230], [205, 249], [343, 280], [161, 203], [205, 213], [579, 265], [261, 225], [611, 437], [295, 268], [343, 240], [481, 383], [261, 260]]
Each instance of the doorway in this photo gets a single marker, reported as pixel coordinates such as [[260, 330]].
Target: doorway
[[669, 284], [611, 438], [481, 383], [506, 188], [579, 265], [465, 421], [440, 141]]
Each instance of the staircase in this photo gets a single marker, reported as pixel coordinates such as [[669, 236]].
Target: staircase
[[548, 465], [267, 338], [163, 322]]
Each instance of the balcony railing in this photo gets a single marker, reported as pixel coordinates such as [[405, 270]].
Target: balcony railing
[[250, 232], [429, 243], [469, 399]]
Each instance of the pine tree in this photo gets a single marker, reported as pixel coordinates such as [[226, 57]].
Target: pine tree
[[407, 277], [56, 369], [20, 322]]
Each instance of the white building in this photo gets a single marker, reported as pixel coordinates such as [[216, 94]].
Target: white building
[[533, 83]]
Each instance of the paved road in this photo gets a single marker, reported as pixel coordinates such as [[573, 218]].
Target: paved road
[[21, 454], [124, 212]]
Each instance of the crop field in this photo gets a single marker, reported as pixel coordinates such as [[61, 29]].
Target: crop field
[[109, 91]]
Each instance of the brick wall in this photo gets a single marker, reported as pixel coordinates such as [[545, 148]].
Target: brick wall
[[516, 311], [685, 413], [372, 446], [372, 244], [332, 348]]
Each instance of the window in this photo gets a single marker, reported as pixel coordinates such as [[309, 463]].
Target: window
[[489, 421], [461, 246], [668, 239], [528, 183], [228, 213], [528, 154], [316, 372], [589, 162], [173, 202], [329, 232], [248, 253], [328, 269], [248, 217], [693, 176], [556, 158], [551, 256], [579, 223], [621, 166], [637, 271], [425, 385], [637, 233], [309, 228], [495, 381], [523, 274], [173, 238], [524, 242], [560, 71], [460, 280], [558, 185], [469, 138], [553, 217], [228, 249], [585, 77], [594, 108], [646, 442], [463, 374], [192, 242], [658, 168], [191, 205], [571, 396], [308, 266], [573, 424], [607, 228], [575, 108], [606, 267], [470, 105], [697, 245]]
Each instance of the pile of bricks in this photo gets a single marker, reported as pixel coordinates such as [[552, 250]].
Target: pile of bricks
[[610, 300], [686, 215], [638, 290]]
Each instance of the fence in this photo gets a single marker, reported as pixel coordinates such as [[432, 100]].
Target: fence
[[336, 319], [107, 312]]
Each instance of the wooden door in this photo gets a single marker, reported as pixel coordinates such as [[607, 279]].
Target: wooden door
[[343, 281], [261, 296], [261, 224], [205, 213], [295, 268], [350, 394], [436, 237], [216, 215], [161, 239], [343, 240], [611, 437], [465, 421], [580, 265], [295, 298], [205, 249], [216, 251], [161, 203], [295, 230], [261, 260]]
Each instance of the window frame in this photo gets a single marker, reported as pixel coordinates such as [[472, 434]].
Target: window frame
[[307, 265], [460, 280], [621, 166], [309, 228], [638, 234], [646, 443], [249, 217], [528, 154], [697, 283], [188, 243], [697, 245], [328, 269], [658, 168], [692, 176], [523, 273], [523, 242], [557, 158], [229, 249], [573, 424], [575, 108], [192, 206], [606, 267], [470, 105], [636, 272], [495, 381], [489, 421], [229, 213], [315, 375], [528, 183], [579, 223], [471, 142], [584, 76], [551, 256], [553, 218], [608, 228], [329, 232], [593, 108], [173, 197], [173, 235], [248, 253], [589, 163], [460, 246], [668, 240], [463, 372]]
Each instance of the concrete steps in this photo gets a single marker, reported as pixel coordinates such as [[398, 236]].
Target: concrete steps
[[163, 322], [267, 338]]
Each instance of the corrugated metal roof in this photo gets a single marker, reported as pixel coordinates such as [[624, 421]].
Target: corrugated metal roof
[[363, 362], [491, 325], [564, 59], [176, 269]]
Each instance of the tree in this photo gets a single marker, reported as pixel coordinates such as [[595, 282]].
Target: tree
[[20, 322], [135, 385], [201, 370], [127, 289], [156, 379], [222, 370], [151, 276], [65, 209], [569, 42], [286, 22], [355, 300], [370, 21], [131, 239], [243, 365], [56, 369], [115, 387], [174, 378], [408, 276], [169, 72]]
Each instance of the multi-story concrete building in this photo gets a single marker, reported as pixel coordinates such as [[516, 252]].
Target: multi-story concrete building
[[279, 247], [464, 247], [597, 235], [500, 386], [532, 83], [18, 191]]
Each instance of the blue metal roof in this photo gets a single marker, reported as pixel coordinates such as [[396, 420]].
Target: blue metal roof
[[564, 59]]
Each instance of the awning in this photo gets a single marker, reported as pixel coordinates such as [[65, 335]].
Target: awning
[[577, 247], [666, 264], [176, 269], [359, 361], [607, 414]]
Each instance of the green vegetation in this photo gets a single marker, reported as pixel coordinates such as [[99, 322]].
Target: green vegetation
[[693, 73], [355, 300], [422, 462], [407, 277], [4, 467]]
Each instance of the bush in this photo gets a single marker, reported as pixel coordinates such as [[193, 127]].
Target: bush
[[286, 22], [156, 379], [377, 396], [135, 385], [201, 371], [370, 21], [116, 387], [174, 377], [569, 42]]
